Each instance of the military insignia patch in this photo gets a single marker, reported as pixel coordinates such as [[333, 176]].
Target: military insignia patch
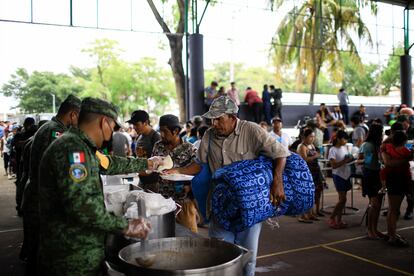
[[77, 172]]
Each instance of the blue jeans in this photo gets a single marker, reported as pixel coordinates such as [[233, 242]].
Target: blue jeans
[[248, 239]]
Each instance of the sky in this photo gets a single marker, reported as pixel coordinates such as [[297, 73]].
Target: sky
[[234, 30]]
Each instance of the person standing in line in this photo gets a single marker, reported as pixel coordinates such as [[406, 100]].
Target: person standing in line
[[5, 151], [67, 116], [73, 218], [255, 104], [182, 153], [341, 173], [276, 94], [308, 152], [233, 93], [223, 144], [147, 137], [210, 94], [343, 104], [267, 105], [369, 153], [18, 143], [120, 144]]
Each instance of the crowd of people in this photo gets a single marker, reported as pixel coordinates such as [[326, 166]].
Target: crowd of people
[[217, 138], [359, 152], [260, 109]]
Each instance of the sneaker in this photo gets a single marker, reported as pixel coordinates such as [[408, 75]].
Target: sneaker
[[398, 242]]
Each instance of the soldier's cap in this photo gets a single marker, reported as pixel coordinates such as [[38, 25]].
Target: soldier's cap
[[170, 121], [73, 101], [138, 116], [220, 106], [95, 105]]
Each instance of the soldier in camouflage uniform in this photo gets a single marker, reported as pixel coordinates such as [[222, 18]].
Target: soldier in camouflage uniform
[[67, 115], [182, 153], [73, 218]]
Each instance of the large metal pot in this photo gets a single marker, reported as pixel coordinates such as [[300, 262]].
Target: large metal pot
[[163, 226], [184, 256]]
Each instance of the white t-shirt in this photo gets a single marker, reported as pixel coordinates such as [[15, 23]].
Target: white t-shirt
[[285, 139], [339, 154]]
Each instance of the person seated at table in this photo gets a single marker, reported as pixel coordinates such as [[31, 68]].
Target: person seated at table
[[390, 114], [323, 120], [309, 153], [341, 173], [182, 153], [337, 114]]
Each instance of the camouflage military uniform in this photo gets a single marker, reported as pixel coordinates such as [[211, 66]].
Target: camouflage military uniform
[[73, 216], [30, 205]]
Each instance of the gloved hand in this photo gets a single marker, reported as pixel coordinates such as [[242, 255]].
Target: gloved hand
[[154, 162], [138, 228]]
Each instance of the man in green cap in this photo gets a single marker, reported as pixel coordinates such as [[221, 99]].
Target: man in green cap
[[73, 218], [231, 140], [67, 116]]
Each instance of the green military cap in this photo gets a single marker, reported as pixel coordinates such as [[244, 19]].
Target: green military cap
[[95, 105], [73, 101], [220, 106]]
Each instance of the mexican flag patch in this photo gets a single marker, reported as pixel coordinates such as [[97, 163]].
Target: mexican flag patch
[[56, 134], [77, 157]]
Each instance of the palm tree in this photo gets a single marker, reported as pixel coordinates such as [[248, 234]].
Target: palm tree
[[314, 34]]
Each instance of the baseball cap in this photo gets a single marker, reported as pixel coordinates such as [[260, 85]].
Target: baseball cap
[[95, 105], [220, 106], [138, 116], [169, 120]]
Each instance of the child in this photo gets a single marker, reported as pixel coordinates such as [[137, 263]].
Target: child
[[341, 173]]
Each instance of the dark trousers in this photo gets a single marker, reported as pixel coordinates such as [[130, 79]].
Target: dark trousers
[[256, 112], [6, 160], [267, 110], [345, 111], [410, 199], [278, 110]]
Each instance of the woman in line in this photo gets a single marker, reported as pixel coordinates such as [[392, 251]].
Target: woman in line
[[341, 173], [397, 179], [309, 153], [371, 182]]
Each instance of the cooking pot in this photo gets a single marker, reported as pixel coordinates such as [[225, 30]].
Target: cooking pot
[[184, 256], [163, 226]]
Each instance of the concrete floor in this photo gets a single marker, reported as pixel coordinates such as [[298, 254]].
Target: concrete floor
[[293, 249]]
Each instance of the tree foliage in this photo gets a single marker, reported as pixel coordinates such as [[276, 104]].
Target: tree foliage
[[35, 90], [130, 86], [390, 74], [313, 34]]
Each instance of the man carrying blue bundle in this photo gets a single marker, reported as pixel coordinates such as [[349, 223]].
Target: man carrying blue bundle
[[231, 140]]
